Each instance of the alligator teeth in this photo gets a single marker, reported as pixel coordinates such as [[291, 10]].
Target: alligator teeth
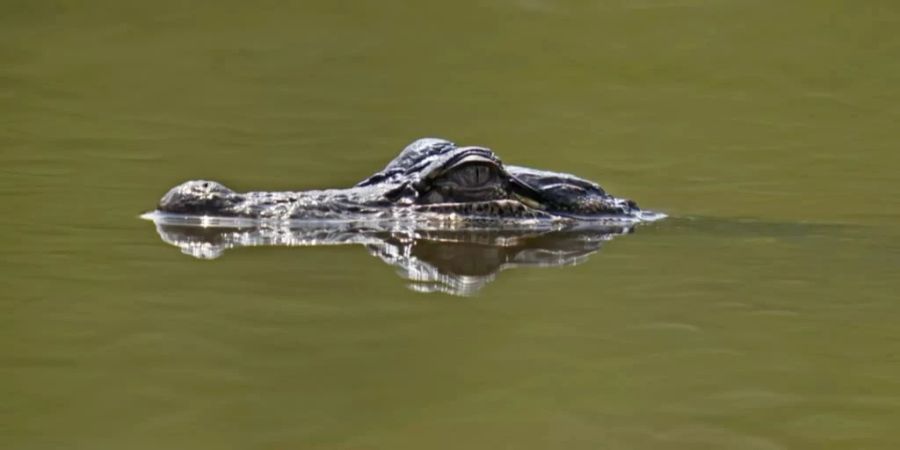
[[532, 203]]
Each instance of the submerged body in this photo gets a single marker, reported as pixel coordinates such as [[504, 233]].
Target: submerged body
[[431, 179]]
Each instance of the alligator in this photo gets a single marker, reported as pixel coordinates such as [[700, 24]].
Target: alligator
[[431, 180]]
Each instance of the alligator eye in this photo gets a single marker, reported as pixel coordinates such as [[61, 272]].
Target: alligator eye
[[473, 175], [468, 182]]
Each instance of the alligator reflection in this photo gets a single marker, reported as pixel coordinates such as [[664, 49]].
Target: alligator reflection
[[458, 262]]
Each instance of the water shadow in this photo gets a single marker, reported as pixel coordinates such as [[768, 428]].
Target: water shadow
[[453, 261]]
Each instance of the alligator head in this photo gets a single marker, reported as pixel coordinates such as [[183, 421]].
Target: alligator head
[[431, 179]]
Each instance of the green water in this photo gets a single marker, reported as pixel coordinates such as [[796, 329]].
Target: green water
[[763, 315]]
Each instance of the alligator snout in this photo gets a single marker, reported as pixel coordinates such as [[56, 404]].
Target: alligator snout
[[199, 197]]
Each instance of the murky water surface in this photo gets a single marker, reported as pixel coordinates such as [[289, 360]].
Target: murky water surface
[[762, 315]]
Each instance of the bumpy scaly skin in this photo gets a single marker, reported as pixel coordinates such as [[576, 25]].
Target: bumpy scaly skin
[[400, 191]]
